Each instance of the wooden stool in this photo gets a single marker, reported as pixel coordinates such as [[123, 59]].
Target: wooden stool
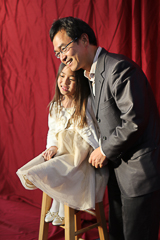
[[72, 226]]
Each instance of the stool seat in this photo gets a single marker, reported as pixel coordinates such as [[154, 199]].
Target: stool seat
[[72, 227]]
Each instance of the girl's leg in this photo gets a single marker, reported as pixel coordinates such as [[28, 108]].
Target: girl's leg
[[53, 212], [61, 210], [55, 206], [59, 220]]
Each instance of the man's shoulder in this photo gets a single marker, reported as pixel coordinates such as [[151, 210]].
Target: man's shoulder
[[110, 59], [113, 56]]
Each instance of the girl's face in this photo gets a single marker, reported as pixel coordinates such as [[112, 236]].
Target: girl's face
[[67, 82]]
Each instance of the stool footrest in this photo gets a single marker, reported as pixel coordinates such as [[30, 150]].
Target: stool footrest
[[90, 212], [86, 229]]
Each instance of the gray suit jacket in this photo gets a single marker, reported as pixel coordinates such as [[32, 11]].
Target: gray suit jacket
[[129, 123]]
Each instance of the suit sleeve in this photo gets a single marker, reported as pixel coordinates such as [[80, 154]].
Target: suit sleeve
[[128, 86]]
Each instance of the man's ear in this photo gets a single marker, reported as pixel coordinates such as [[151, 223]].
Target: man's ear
[[84, 38]]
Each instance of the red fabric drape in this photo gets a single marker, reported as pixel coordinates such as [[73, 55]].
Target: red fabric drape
[[28, 68]]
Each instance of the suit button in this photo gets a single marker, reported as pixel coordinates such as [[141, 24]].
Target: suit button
[[104, 138], [98, 120]]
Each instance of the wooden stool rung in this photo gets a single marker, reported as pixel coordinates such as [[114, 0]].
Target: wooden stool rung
[[87, 229], [90, 212]]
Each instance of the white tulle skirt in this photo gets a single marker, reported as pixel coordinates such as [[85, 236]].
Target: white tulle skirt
[[68, 177]]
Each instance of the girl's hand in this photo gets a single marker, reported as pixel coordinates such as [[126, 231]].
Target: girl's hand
[[49, 153]]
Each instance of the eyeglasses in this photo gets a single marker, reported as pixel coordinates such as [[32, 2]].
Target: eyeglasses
[[64, 49]]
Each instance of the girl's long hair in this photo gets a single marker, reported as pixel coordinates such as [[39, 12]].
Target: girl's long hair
[[80, 97]]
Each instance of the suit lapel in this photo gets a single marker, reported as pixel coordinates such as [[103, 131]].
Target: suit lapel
[[99, 78], [92, 96]]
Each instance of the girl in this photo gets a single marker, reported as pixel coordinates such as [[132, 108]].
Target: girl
[[62, 170]]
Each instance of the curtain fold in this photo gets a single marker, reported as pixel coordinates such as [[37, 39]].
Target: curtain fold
[[28, 68]]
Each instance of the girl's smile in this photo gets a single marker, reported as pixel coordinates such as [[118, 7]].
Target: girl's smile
[[67, 83]]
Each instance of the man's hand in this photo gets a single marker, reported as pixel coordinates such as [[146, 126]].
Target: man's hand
[[49, 153], [97, 159]]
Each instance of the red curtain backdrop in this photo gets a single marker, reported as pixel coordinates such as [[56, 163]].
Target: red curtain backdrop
[[28, 68]]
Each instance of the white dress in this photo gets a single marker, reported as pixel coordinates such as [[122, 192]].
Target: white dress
[[68, 177]]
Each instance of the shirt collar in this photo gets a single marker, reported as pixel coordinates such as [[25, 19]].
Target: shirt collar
[[90, 75]]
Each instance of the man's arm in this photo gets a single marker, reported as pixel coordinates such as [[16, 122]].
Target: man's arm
[[131, 110]]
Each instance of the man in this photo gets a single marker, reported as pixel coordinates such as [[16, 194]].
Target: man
[[129, 125]]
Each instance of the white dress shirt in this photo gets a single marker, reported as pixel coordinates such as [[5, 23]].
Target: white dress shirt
[[91, 77]]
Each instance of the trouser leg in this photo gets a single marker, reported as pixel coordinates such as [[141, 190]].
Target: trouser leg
[[132, 218], [141, 216], [115, 209]]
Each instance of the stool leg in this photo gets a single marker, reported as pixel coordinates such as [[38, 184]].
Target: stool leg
[[77, 219], [43, 229], [103, 234], [69, 223]]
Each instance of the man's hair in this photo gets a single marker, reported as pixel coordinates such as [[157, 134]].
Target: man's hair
[[74, 28]]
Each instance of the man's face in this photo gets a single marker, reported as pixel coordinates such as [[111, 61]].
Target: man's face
[[75, 56]]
